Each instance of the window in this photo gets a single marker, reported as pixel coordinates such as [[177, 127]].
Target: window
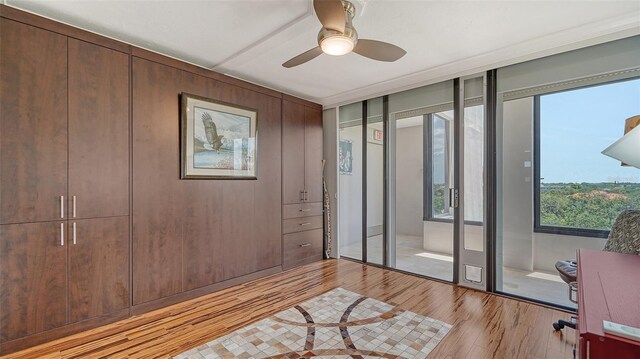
[[438, 180], [438, 162], [578, 190]]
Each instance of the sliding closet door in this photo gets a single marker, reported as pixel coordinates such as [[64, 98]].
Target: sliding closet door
[[362, 165], [375, 204]]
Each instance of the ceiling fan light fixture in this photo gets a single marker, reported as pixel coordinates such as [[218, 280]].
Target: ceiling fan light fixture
[[338, 36], [337, 45]]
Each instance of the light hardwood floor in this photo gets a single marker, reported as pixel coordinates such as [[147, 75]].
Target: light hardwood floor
[[484, 325]]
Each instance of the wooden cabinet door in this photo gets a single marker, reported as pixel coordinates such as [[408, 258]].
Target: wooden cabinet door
[[293, 168], [33, 278], [98, 131], [33, 123], [98, 267], [313, 154]]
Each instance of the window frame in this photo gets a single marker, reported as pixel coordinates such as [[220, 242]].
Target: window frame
[[427, 144], [537, 226]]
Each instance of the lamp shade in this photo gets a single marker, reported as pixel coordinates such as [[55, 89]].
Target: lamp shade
[[626, 149]]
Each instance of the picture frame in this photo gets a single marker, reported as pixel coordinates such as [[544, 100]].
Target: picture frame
[[218, 139], [345, 157]]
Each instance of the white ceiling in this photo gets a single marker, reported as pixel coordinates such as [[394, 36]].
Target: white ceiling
[[443, 39]]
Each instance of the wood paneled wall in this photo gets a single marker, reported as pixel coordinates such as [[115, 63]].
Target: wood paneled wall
[[220, 229]]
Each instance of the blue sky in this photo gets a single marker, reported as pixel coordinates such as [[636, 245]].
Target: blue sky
[[575, 126]]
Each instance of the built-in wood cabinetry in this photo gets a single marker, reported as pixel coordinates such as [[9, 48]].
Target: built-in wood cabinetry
[[301, 183], [98, 267], [33, 279], [33, 123], [293, 154], [98, 131], [95, 222], [301, 153], [64, 248], [313, 154]]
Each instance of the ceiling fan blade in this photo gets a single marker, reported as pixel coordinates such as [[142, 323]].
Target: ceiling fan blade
[[303, 57], [378, 50], [331, 14]]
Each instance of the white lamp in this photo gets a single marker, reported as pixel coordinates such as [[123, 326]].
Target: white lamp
[[627, 148]]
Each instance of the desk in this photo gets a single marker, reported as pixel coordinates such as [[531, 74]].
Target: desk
[[608, 289]]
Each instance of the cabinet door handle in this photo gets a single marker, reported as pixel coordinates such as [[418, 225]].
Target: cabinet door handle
[[305, 210], [61, 206], [62, 234], [74, 206], [305, 245], [306, 195], [74, 233], [305, 223], [302, 196]]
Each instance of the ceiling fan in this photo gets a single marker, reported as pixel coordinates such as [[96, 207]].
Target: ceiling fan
[[338, 37]]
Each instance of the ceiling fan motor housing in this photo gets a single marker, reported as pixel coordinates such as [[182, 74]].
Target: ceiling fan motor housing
[[349, 32]]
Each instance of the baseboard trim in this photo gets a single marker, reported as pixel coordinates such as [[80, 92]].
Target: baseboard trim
[[49, 335], [194, 293]]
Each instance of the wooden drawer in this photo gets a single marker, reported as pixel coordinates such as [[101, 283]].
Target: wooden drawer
[[301, 224], [302, 247], [301, 210]]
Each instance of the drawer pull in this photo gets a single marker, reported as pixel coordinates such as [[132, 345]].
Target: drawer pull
[[305, 210], [305, 224], [305, 245]]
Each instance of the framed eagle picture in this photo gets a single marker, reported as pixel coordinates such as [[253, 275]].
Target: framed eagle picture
[[219, 140]]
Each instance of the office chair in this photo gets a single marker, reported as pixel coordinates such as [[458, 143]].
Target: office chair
[[623, 238]]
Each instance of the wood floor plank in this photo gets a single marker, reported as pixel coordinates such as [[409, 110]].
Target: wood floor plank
[[484, 325]]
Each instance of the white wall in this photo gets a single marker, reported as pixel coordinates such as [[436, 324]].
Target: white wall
[[409, 180], [517, 184], [549, 248], [438, 237]]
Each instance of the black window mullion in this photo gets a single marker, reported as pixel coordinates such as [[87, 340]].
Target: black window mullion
[[385, 192], [491, 178], [365, 126], [457, 229]]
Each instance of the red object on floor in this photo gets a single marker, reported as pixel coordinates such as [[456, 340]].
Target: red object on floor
[[608, 289]]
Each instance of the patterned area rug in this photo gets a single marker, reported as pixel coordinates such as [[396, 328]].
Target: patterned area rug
[[337, 324]]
